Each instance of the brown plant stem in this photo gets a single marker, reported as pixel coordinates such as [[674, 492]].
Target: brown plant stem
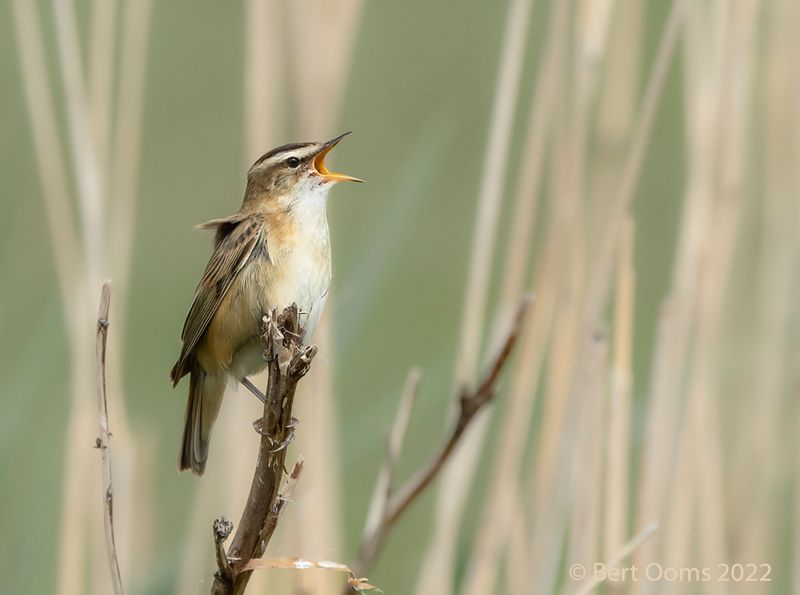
[[287, 362], [104, 441], [470, 402]]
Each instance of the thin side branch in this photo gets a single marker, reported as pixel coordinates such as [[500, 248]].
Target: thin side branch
[[284, 496], [470, 403], [222, 528], [104, 441], [287, 362]]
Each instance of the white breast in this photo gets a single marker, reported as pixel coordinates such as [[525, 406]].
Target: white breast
[[304, 261], [298, 270], [305, 280]]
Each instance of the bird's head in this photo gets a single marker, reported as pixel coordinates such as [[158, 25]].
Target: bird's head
[[291, 172]]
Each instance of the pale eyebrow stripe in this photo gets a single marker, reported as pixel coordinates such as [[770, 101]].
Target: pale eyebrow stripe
[[281, 149]]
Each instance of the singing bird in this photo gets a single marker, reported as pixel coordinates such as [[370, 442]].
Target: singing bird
[[274, 252]]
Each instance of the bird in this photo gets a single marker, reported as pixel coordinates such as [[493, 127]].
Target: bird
[[274, 252]]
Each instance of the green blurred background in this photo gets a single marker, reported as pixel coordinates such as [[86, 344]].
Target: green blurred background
[[418, 98]]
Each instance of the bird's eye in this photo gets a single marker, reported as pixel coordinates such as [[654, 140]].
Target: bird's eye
[[292, 162]]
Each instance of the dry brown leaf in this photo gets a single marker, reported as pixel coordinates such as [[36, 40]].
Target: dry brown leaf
[[359, 584]]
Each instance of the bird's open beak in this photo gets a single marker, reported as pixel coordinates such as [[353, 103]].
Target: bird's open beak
[[319, 163]]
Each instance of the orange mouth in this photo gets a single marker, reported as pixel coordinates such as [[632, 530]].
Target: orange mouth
[[319, 163]]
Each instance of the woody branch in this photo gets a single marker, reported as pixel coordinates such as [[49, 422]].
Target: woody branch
[[287, 362]]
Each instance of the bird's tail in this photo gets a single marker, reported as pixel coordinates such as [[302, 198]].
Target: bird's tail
[[205, 397]]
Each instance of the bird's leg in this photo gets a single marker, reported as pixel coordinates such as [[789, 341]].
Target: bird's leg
[[253, 389]]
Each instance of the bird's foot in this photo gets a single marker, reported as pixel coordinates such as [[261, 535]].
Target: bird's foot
[[258, 426], [287, 441]]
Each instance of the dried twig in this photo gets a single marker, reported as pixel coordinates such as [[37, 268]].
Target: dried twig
[[470, 402], [104, 441], [284, 496], [287, 361], [222, 528]]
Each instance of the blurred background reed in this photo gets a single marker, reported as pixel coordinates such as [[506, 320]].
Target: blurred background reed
[[636, 165]]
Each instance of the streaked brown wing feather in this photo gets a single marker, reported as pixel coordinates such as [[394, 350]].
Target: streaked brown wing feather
[[230, 256]]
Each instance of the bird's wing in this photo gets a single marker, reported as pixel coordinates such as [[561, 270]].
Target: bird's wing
[[234, 246]]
